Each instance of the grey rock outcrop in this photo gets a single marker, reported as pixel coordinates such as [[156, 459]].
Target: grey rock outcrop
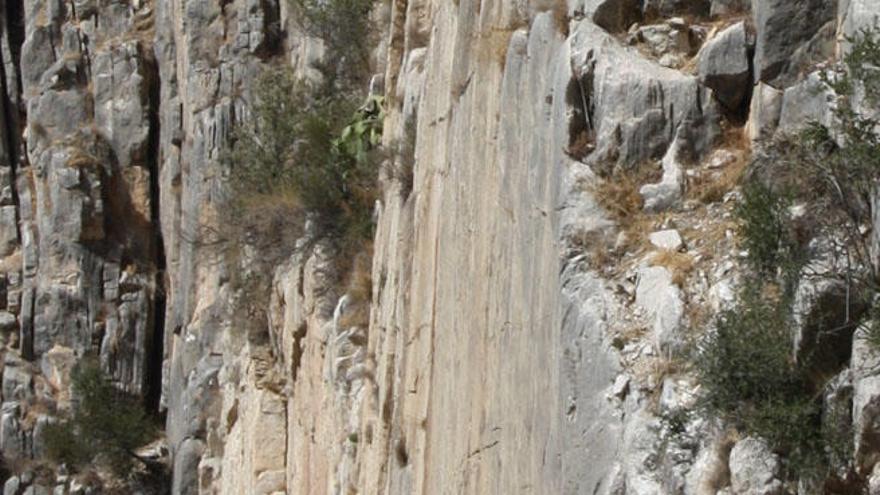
[[657, 295], [627, 120], [790, 35], [666, 239], [664, 194], [810, 100], [497, 358], [754, 469], [725, 65], [866, 402]]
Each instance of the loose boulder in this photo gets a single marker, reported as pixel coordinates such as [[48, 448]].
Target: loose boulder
[[724, 65], [754, 469]]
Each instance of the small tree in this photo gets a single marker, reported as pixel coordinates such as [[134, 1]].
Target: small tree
[[300, 155], [749, 378], [106, 425], [345, 28], [766, 231]]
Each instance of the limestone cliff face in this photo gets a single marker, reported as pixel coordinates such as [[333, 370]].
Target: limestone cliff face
[[499, 358]]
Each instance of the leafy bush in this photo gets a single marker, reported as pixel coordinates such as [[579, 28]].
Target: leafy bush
[[105, 426], [300, 155], [344, 27], [766, 230], [749, 379], [746, 366]]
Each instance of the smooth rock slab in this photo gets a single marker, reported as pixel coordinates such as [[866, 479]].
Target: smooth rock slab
[[811, 100], [667, 192]]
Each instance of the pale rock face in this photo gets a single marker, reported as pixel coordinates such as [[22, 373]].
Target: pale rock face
[[489, 364], [667, 239], [656, 294], [667, 192], [764, 112], [626, 120], [670, 42], [754, 469], [710, 471], [810, 100], [858, 14], [866, 402]]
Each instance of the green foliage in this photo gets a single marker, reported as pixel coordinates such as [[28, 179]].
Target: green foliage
[[105, 426], [843, 163], [766, 230], [746, 367], [344, 27], [749, 379], [303, 155], [862, 63]]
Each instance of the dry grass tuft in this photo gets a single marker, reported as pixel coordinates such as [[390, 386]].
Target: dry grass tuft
[[34, 409], [629, 335], [679, 264], [711, 186], [697, 315], [583, 145], [651, 371], [619, 195], [560, 17], [80, 158]]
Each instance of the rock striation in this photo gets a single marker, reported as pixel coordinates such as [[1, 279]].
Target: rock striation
[[501, 355]]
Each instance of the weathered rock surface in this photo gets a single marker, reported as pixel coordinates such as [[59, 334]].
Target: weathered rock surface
[[725, 65], [791, 34], [656, 294], [493, 361], [754, 469], [637, 105]]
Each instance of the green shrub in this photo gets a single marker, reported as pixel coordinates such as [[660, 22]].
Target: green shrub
[[766, 230], [106, 425], [299, 155], [345, 28], [748, 377]]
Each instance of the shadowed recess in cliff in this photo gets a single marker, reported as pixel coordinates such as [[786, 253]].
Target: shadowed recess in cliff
[[155, 349]]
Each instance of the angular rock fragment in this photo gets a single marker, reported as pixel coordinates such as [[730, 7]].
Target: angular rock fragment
[[724, 66], [754, 469]]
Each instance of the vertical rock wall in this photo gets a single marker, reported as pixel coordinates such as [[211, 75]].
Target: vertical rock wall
[[492, 362]]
